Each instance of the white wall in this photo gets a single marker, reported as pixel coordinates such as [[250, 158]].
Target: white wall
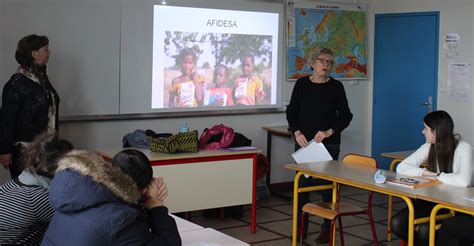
[[456, 16]]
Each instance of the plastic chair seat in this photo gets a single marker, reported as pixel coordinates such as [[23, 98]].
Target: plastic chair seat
[[329, 210]]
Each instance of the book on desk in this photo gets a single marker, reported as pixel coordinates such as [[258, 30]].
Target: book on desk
[[411, 182]]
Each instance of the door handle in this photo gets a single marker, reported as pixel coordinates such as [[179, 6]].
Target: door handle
[[428, 103]]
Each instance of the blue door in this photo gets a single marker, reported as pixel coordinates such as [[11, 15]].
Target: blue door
[[405, 80]]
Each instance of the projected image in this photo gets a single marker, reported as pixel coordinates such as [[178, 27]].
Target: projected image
[[213, 58], [214, 69]]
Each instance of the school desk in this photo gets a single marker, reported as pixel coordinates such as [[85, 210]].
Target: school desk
[[397, 156], [206, 179], [359, 177], [449, 197], [446, 196], [185, 225], [208, 236], [281, 131]]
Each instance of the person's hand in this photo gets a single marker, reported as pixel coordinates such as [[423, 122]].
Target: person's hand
[[6, 160], [162, 193], [320, 135], [155, 193], [301, 139]]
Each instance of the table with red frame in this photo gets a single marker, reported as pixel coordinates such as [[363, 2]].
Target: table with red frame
[[206, 179]]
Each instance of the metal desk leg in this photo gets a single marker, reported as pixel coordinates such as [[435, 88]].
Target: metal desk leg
[[434, 211], [269, 157], [411, 220], [253, 224], [433, 214], [334, 200], [295, 208], [390, 203], [268, 177]]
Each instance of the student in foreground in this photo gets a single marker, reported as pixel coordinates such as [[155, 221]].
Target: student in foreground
[[98, 203], [448, 160], [25, 211]]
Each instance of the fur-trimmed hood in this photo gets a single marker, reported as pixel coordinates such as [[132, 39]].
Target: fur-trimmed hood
[[85, 180]]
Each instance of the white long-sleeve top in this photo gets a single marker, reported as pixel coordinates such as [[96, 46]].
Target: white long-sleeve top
[[462, 165]]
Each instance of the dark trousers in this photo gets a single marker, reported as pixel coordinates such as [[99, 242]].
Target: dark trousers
[[15, 168], [399, 223], [303, 198], [457, 231]]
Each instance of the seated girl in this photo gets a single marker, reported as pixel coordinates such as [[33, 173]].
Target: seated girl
[[448, 160], [24, 202]]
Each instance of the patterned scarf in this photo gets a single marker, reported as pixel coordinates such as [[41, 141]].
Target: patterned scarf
[[37, 73]]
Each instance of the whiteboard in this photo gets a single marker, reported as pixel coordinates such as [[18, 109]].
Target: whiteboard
[[101, 51]]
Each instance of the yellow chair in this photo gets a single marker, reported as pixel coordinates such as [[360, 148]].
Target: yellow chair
[[333, 211]]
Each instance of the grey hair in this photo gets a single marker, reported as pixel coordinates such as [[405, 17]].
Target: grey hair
[[317, 52]]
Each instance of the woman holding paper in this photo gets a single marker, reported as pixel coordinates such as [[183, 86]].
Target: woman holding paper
[[318, 110], [448, 160]]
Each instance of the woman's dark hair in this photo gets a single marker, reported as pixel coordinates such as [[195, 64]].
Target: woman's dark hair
[[28, 44], [42, 154], [136, 165], [442, 151]]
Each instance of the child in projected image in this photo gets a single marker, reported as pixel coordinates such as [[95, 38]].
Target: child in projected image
[[187, 89], [221, 94], [248, 88]]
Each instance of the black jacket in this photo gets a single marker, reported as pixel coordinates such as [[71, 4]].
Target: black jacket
[[318, 107], [25, 108]]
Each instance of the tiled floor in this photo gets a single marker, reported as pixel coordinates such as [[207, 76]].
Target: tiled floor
[[274, 221]]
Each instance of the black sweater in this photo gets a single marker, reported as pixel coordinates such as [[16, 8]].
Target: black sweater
[[318, 107], [25, 108]]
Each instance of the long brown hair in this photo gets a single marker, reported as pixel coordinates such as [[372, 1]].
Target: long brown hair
[[442, 151]]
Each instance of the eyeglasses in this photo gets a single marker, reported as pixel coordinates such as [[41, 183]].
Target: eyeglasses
[[409, 180], [325, 62]]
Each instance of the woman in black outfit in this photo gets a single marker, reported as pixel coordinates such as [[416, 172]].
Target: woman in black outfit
[[29, 102], [318, 110]]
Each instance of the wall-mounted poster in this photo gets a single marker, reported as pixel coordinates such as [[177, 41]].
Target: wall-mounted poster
[[340, 27]]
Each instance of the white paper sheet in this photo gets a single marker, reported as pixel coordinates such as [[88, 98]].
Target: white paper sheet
[[459, 81], [312, 153]]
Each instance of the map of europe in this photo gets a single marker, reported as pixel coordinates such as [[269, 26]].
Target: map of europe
[[344, 32]]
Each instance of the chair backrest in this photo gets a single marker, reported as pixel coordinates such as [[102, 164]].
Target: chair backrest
[[360, 160]]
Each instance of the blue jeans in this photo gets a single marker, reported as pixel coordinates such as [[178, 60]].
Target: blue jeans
[[303, 198]]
